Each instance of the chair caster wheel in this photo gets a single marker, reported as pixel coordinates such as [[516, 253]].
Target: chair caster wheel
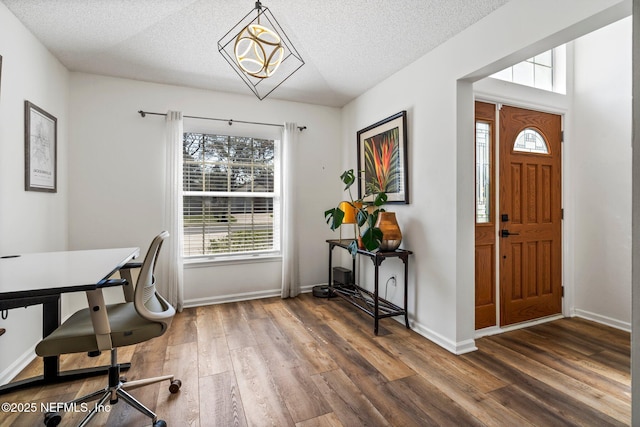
[[175, 386], [160, 423], [52, 419]]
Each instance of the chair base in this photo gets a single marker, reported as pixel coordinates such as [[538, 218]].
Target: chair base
[[112, 393]]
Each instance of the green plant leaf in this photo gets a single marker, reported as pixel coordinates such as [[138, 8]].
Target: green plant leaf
[[372, 238], [361, 217], [348, 178], [353, 248], [381, 199], [334, 218], [373, 217]]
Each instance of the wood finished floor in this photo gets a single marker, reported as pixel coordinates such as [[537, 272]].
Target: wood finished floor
[[310, 362]]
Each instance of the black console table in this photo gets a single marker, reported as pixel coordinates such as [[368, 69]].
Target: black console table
[[367, 301]]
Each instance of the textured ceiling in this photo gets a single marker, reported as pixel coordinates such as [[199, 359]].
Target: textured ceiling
[[348, 45]]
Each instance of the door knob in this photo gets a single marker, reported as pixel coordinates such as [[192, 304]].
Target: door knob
[[507, 233]]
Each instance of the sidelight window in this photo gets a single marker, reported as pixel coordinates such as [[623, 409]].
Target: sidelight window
[[483, 172]]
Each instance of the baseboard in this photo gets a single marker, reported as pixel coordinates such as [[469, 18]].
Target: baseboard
[[16, 367], [245, 296], [608, 321], [457, 348]]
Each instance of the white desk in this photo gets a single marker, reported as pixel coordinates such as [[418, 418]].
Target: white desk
[[40, 278]]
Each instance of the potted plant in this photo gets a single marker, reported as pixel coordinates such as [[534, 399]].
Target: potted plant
[[368, 236]]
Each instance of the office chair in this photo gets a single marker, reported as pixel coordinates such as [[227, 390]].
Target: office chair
[[144, 315]]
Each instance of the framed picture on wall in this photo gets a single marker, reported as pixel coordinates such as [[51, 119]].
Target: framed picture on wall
[[382, 160], [40, 149]]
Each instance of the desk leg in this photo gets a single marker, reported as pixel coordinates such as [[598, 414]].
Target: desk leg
[[50, 321]]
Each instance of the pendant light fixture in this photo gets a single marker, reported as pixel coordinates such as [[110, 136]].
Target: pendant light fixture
[[258, 49]]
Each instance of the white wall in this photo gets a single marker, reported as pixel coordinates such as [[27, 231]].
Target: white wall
[[437, 93], [601, 178], [29, 221], [116, 161]]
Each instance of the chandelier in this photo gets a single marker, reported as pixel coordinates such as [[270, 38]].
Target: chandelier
[[258, 49]]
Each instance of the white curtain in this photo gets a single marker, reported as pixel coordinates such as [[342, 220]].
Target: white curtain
[[171, 287], [290, 274]]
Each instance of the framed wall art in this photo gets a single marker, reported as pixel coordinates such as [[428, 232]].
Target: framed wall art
[[40, 149], [382, 159]]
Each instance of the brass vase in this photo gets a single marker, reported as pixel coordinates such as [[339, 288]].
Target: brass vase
[[391, 234]]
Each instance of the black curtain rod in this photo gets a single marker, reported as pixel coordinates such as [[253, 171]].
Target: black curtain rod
[[230, 121]]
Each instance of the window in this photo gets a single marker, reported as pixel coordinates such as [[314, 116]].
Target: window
[[229, 194], [530, 141], [483, 172], [544, 71]]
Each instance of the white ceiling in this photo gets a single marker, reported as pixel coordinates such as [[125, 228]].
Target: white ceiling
[[348, 45]]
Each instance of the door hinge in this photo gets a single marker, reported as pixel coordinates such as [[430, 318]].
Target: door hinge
[[562, 213], [561, 136], [562, 288]]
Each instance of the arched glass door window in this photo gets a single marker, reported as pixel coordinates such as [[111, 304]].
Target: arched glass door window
[[531, 141]]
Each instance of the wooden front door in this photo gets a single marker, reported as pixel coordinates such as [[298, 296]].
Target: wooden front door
[[530, 215]]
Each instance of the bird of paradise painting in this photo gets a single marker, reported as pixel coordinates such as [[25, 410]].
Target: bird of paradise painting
[[382, 162], [382, 159]]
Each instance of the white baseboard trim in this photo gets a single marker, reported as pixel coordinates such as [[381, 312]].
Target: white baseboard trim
[[16, 367], [608, 321], [457, 348], [245, 296]]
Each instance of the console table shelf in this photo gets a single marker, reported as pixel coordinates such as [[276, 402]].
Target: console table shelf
[[365, 300]]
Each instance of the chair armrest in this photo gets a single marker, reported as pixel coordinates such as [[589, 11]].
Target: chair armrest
[[131, 265], [99, 319]]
